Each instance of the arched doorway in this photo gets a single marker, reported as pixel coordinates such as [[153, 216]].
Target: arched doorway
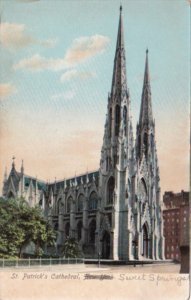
[[106, 245], [11, 195], [145, 242]]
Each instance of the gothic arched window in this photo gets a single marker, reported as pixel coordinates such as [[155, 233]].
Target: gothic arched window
[[58, 206], [146, 143], [143, 190], [68, 204], [108, 163], [110, 121], [110, 190], [80, 203], [125, 119], [93, 201], [117, 119]]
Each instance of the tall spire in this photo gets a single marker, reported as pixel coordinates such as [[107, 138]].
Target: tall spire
[[145, 128], [120, 37], [119, 84], [146, 116], [13, 163]]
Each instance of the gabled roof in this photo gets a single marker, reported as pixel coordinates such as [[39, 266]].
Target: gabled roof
[[40, 184]]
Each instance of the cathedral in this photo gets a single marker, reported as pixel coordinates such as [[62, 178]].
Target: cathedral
[[115, 212]]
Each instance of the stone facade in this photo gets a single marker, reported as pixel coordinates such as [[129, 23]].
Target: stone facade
[[114, 212]]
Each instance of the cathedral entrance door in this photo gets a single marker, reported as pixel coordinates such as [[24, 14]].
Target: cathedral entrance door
[[145, 242], [106, 245]]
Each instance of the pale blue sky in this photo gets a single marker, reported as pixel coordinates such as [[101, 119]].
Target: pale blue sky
[[42, 118]]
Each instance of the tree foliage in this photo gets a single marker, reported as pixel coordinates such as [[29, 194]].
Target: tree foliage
[[20, 225], [71, 248]]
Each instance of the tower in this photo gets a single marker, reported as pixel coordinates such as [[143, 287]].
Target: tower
[[147, 206], [115, 154], [146, 126]]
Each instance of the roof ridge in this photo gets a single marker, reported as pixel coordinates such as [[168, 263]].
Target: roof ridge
[[79, 175]]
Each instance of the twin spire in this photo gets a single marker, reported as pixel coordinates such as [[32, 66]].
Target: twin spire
[[119, 99], [120, 36], [119, 82], [146, 117]]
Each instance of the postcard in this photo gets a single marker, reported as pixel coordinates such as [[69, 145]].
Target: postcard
[[94, 152]]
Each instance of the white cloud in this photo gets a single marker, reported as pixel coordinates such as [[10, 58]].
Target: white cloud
[[81, 49], [6, 90], [14, 36], [50, 43], [86, 47], [68, 95], [39, 63], [74, 74]]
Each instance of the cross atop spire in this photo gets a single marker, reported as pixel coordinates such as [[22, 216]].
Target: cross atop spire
[[119, 71]]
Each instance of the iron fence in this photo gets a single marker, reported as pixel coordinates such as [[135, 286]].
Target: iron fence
[[38, 262]]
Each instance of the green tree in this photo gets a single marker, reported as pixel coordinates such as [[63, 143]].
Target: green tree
[[20, 225], [71, 248]]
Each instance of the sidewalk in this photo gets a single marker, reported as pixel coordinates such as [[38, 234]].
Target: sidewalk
[[83, 268]]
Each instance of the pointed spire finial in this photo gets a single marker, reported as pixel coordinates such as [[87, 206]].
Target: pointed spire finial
[[75, 180], [119, 81], [121, 8], [13, 163], [64, 183], [22, 166], [87, 177], [146, 75]]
